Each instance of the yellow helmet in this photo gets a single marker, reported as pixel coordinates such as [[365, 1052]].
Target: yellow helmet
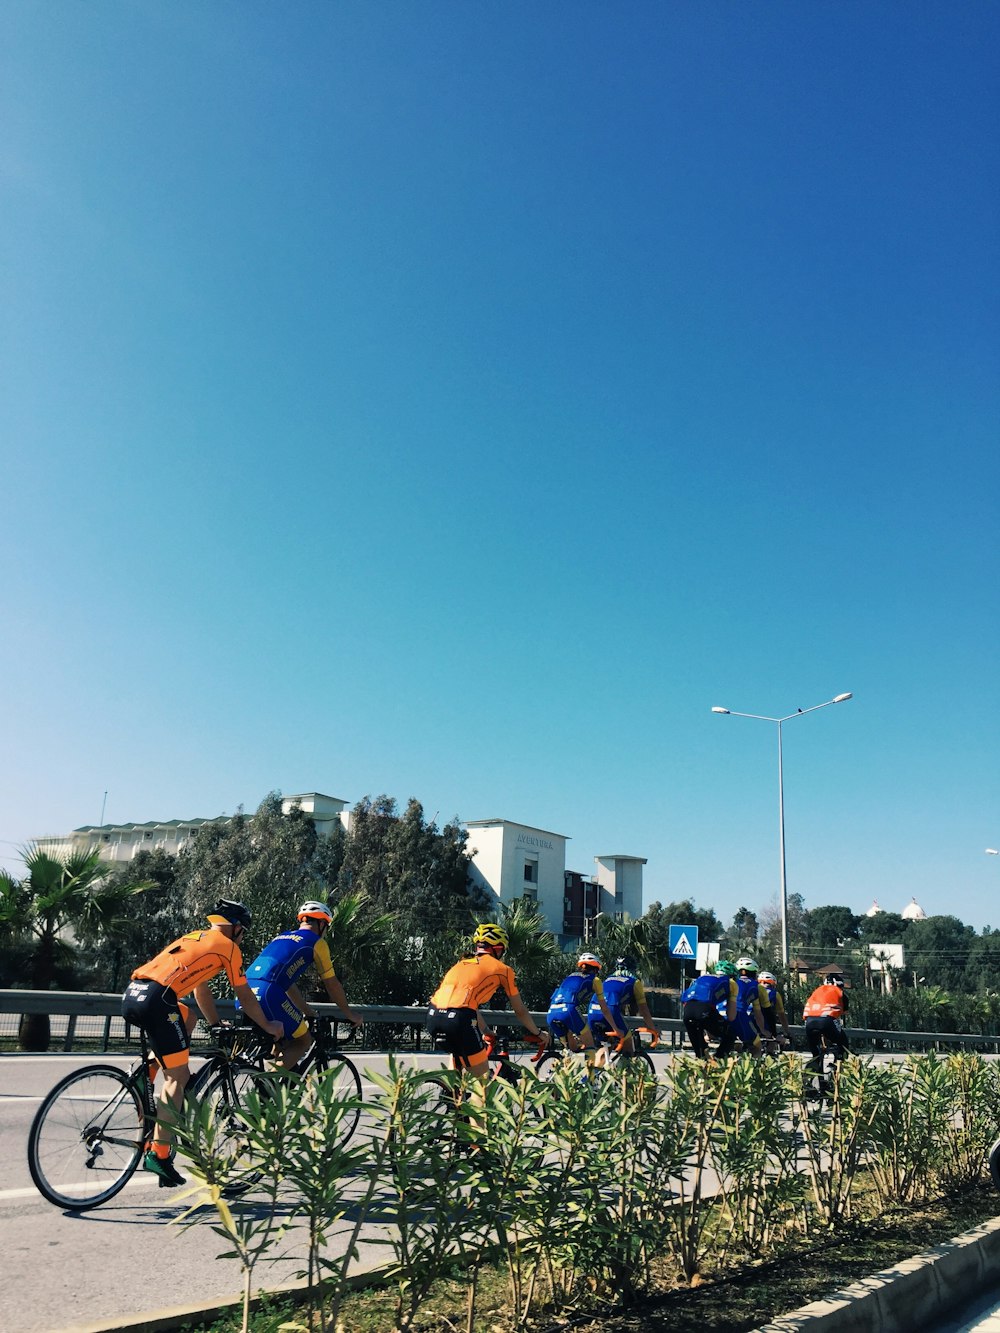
[[494, 937]]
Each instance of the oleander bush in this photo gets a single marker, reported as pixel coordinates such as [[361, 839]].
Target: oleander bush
[[589, 1194]]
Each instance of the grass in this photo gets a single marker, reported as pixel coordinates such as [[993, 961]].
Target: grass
[[738, 1300]]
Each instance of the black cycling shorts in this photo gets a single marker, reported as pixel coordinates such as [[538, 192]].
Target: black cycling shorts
[[156, 1009], [706, 1016], [459, 1032]]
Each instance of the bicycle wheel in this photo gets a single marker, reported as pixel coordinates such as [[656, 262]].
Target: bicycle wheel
[[642, 1063], [994, 1161], [548, 1062], [226, 1091], [347, 1085], [87, 1138]]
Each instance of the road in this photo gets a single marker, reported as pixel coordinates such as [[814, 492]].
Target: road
[[64, 1270]]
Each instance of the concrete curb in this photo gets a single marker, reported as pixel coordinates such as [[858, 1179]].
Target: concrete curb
[[910, 1294], [196, 1316], [897, 1300]]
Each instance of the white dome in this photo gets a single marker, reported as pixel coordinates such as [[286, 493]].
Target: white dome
[[874, 909], [913, 911]]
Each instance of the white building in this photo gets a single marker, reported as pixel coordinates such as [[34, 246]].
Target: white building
[[517, 861], [118, 843], [511, 861], [621, 879]]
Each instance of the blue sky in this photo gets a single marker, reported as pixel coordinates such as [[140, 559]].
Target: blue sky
[[458, 401]]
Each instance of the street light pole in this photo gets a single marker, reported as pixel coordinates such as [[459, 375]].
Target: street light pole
[[759, 717]]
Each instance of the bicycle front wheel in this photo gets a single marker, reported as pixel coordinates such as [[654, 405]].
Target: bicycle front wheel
[[87, 1138], [346, 1080]]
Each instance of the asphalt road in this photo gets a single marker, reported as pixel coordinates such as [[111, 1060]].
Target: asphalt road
[[64, 1270]]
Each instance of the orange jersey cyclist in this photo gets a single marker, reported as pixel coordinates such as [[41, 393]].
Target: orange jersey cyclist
[[274, 973], [152, 1001], [454, 1007]]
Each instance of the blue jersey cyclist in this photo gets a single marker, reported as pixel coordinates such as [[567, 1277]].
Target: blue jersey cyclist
[[566, 1007], [274, 973], [774, 1010], [751, 1000], [623, 994], [710, 1008]]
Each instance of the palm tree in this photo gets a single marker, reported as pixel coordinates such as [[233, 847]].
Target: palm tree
[[614, 939], [533, 951], [354, 932], [54, 899]]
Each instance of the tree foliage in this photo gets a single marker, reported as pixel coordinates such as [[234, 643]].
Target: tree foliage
[[54, 902]]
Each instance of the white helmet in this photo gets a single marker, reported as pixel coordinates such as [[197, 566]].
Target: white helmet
[[746, 965], [768, 978], [314, 912], [589, 960]]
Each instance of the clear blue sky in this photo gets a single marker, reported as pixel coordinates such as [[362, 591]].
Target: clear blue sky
[[458, 400]]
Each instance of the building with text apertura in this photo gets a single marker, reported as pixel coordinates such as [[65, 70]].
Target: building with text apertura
[[511, 860]]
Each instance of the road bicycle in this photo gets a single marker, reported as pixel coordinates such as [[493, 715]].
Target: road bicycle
[[821, 1069], [325, 1058], [90, 1133], [638, 1060]]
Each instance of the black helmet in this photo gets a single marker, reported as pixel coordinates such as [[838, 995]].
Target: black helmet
[[625, 964], [235, 913], [834, 979]]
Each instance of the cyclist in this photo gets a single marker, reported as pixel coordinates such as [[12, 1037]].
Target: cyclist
[[273, 975], [774, 1011], [750, 1024], [152, 1001], [710, 1008], [565, 1017], [824, 1014], [622, 991], [454, 1014]]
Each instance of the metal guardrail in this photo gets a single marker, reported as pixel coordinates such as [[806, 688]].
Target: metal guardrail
[[102, 1021], [93, 1016]]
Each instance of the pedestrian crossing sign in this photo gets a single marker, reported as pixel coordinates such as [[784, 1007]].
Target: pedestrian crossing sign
[[684, 942]]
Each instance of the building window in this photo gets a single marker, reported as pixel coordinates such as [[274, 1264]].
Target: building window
[[531, 895], [531, 872]]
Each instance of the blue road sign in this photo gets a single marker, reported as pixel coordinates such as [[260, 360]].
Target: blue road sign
[[684, 942]]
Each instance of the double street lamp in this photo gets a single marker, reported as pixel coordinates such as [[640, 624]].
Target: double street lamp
[[799, 712]]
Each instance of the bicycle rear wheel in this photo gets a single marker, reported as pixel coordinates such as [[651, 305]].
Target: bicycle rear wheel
[[87, 1138], [335, 1066], [226, 1091], [640, 1063]]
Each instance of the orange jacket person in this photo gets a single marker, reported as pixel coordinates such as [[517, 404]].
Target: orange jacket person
[[824, 1014], [454, 1007], [152, 1001]]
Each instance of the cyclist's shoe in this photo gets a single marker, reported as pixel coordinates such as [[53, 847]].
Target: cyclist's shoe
[[164, 1168]]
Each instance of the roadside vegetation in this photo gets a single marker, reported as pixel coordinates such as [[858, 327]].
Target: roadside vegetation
[[603, 1203]]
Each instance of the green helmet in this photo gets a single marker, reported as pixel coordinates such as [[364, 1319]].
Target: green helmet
[[725, 969]]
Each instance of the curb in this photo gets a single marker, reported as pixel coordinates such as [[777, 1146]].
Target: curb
[[897, 1300], [908, 1295], [196, 1316]]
